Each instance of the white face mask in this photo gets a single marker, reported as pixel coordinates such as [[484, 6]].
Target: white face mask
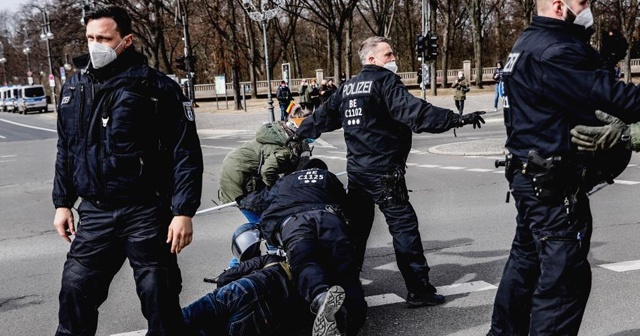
[[584, 18], [101, 55], [392, 66]]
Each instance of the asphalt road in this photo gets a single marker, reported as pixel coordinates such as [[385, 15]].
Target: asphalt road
[[465, 223]]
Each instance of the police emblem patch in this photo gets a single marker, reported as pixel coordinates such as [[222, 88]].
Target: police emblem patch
[[188, 111], [65, 100]]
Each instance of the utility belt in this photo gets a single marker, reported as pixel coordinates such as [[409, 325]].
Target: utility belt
[[333, 209], [553, 178]]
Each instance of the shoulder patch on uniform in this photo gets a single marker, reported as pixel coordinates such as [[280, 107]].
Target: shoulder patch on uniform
[[188, 111], [65, 100], [511, 62]]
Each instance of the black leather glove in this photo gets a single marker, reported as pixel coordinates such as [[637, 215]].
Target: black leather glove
[[292, 138], [473, 118], [614, 46]]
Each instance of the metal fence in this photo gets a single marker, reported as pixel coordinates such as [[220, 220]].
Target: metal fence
[[408, 78]]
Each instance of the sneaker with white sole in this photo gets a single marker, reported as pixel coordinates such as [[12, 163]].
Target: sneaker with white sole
[[325, 322]]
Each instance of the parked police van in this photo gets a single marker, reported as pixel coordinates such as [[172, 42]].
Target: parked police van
[[9, 98], [4, 92], [31, 98]]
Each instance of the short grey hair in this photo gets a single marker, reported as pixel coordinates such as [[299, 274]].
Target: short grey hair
[[369, 44]]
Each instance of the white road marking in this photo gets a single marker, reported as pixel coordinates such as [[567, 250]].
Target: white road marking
[[623, 266], [133, 333], [2, 161], [365, 282], [480, 170], [392, 266], [429, 166], [625, 182], [331, 157], [465, 287], [6, 156], [322, 143], [383, 299], [218, 147], [452, 168], [2, 137], [28, 126]]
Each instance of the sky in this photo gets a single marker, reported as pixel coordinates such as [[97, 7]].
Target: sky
[[10, 5]]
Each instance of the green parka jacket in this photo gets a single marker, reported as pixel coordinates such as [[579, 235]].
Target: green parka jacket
[[262, 158]]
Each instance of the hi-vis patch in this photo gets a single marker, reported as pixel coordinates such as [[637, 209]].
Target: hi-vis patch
[[188, 111], [65, 100]]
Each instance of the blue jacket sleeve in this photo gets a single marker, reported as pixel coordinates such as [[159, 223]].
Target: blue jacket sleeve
[[582, 90], [414, 112], [64, 192], [326, 118], [186, 154]]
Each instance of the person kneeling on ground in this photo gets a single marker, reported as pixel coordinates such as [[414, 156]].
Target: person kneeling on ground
[[303, 213]]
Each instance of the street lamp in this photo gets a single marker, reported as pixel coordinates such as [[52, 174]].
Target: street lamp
[[3, 60], [26, 50], [264, 14], [46, 36]]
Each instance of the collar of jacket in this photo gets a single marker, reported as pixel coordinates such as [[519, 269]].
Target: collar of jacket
[[580, 32], [129, 57]]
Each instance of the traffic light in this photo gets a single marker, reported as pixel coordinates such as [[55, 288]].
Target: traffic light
[[432, 47], [420, 46], [180, 63], [191, 61]]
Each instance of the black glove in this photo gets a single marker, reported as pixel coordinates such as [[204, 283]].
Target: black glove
[[473, 118], [294, 138], [614, 46]]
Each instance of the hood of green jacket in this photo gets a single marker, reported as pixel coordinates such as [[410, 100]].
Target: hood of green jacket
[[275, 132]]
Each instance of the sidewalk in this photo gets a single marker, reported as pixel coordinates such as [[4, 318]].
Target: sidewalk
[[212, 117]]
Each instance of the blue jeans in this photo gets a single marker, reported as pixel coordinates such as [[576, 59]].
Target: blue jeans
[[235, 309], [283, 112], [498, 95]]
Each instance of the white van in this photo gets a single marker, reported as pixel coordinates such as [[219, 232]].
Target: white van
[[32, 98], [4, 92], [11, 98]]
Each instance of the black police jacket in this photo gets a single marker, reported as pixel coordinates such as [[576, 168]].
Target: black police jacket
[[378, 115], [126, 135], [553, 81], [303, 190]]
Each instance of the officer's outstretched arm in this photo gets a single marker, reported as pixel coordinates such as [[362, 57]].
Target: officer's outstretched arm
[[473, 118], [596, 138]]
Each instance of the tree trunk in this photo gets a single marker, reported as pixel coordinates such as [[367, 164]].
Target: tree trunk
[[253, 56], [434, 30], [477, 39], [348, 48], [297, 66]]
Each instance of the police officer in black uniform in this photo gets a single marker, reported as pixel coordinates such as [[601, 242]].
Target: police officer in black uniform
[[127, 145], [378, 115], [553, 80], [303, 212]]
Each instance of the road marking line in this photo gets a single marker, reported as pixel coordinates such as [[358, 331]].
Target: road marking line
[[392, 266], [453, 168], [623, 266], [465, 287], [625, 182], [218, 147], [133, 333], [2, 137], [480, 170], [331, 157], [3, 161], [365, 282], [28, 126], [429, 166], [321, 143], [6, 156], [383, 299]]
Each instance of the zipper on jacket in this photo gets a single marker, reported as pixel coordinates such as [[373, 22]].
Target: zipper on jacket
[[81, 113]]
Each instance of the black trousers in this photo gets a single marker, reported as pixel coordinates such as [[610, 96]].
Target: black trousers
[[460, 106], [389, 191], [321, 255], [104, 239], [547, 278]]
